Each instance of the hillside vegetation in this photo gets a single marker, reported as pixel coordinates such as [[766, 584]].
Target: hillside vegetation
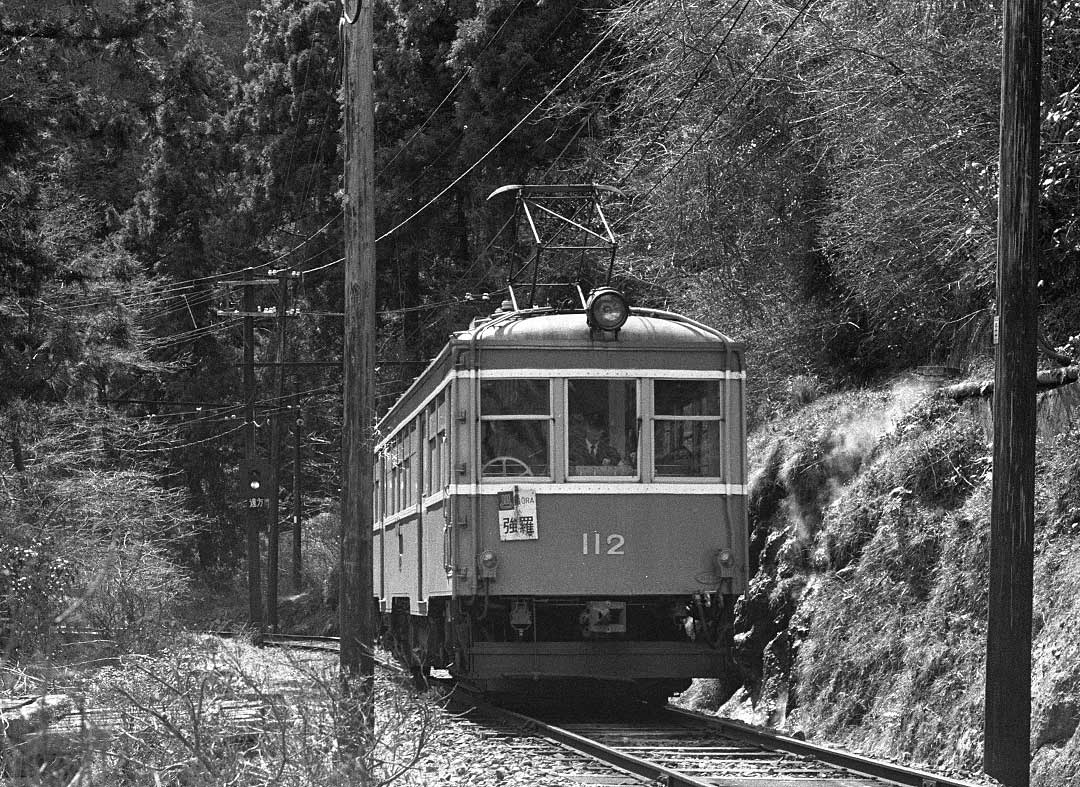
[[865, 623]]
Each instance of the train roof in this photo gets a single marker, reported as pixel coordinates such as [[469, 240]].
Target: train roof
[[545, 328]]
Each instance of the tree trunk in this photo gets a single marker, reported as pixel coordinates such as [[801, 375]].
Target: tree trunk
[[1046, 380]]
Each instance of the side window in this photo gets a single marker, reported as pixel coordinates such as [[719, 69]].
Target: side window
[[408, 466], [515, 418], [431, 450], [687, 421], [378, 487], [393, 475], [435, 445], [400, 492], [443, 416], [400, 471], [602, 425]]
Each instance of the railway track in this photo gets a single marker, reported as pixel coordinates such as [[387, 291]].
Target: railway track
[[630, 745], [677, 748]]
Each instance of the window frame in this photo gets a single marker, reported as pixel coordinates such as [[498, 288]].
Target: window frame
[[400, 454], [435, 444], [654, 417], [548, 418], [639, 420], [409, 434], [377, 491]]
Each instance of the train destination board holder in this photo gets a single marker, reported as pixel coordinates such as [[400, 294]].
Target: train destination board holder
[[517, 515]]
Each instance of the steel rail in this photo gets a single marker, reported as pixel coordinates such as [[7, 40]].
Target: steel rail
[[856, 763], [606, 754], [850, 766]]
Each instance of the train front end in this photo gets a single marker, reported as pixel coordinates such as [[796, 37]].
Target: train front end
[[596, 533]]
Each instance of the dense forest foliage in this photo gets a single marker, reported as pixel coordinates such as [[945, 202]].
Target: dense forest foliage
[[815, 178]]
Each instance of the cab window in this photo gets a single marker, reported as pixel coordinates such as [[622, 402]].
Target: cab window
[[687, 421], [515, 417], [601, 427]]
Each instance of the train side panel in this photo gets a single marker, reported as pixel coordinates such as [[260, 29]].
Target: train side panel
[[400, 554], [409, 561]]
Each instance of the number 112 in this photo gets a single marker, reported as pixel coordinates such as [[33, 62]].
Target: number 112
[[615, 544]]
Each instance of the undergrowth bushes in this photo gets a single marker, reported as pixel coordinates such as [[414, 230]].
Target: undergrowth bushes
[[88, 544], [209, 713], [926, 466], [34, 579]]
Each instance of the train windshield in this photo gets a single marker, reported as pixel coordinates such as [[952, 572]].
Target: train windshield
[[687, 418], [515, 417], [602, 427]]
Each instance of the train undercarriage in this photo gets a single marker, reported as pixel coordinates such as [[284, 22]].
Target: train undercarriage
[[640, 647]]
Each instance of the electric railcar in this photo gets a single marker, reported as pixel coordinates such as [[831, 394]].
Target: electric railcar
[[561, 501]]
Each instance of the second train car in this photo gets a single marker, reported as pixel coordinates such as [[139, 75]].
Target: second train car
[[561, 502]]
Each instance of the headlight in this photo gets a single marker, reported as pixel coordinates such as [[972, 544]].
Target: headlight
[[488, 560], [725, 559], [607, 309]]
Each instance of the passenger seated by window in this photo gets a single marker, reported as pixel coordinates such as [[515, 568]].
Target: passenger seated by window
[[589, 445]]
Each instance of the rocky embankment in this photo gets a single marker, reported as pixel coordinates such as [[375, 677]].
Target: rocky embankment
[[865, 622]]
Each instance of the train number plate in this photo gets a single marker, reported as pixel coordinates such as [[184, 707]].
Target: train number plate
[[596, 543]]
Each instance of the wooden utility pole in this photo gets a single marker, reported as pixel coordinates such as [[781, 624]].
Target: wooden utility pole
[[356, 610], [297, 480], [1007, 755], [274, 515], [251, 515]]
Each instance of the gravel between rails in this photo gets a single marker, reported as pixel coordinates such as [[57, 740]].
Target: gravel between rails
[[465, 752]]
